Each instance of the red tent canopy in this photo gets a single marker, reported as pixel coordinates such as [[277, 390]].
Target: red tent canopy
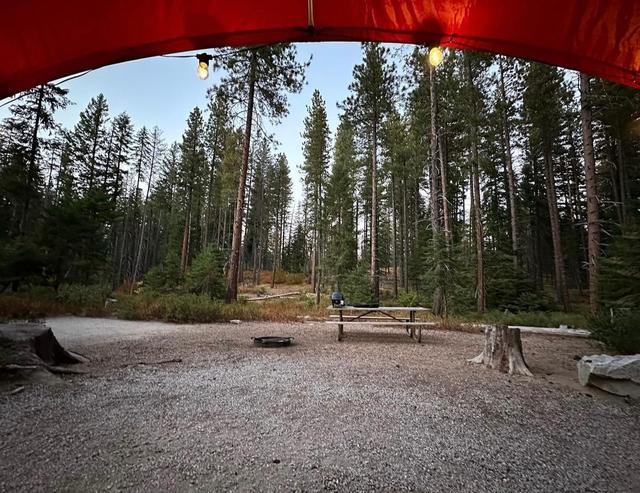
[[41, 40]]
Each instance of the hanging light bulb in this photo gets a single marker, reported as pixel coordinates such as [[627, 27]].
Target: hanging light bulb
[[203, 65], [435, 56]]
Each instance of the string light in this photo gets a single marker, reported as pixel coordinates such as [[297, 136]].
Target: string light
[[203, 65], [435, 56]]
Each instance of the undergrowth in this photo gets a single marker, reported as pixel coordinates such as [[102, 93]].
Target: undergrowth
[[187, 307]]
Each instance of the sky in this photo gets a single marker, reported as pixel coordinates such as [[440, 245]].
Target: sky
[[162, 91]]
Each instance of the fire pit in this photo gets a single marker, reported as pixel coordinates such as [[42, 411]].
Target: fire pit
[[271, 341]]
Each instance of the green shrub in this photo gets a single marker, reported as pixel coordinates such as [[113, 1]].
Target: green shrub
[[411, 298], [191, 308], [83, 297], [356, 287], [40, 292], [619, 330], [166, 276], [180, 308], [205, 276]]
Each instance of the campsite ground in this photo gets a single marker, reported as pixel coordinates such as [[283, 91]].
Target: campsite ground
[[377, 411]]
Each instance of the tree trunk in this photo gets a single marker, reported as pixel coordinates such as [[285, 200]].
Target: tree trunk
[[375, 277], [405, 236], [446, 214], [479, 237], [439, 303], [186, 234], [32, 171], [395, 236], [144, 218], [511, 181], [319, 247], [562, 295], [622, 182], [275, 246], [593, 223], [232, 281], [503, 351]]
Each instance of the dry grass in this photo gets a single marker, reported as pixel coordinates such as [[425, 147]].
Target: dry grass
[[28, 306]]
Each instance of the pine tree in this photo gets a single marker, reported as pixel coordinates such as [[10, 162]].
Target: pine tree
[[157, 149], [280, 190], [218, 126], [192, 165], [474, 117], [266, 73], [370, 102], [23, 142], [593, 223], [315, 168], [88, 142], [544, 113], [342, 248], [122, 131]]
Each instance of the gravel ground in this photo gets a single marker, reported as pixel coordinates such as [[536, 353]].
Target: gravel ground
[[375, 412]]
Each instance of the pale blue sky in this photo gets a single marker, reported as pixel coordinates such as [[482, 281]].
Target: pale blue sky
[[162, 91]]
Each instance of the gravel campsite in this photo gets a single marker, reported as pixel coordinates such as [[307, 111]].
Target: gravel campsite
[[167, 407]]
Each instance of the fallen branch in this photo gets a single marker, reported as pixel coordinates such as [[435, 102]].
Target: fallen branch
[[273, 296], [151, 363], [58, 370], [17, 390]]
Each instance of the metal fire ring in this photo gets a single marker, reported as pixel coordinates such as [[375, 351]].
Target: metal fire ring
[[271, 341]]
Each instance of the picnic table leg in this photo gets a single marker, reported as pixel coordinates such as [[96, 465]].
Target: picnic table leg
[[412, 318], [420, 333], [340, 328]]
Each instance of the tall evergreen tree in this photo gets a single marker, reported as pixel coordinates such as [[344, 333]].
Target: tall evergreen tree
[[260, 76], [193, 163], [543, 107], [315, 168], [370, 102], [24, 135], [89, 142]]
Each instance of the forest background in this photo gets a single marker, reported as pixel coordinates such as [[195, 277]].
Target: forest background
[[486, 188]]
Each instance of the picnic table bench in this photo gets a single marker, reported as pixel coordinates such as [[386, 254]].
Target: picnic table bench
[[382, 315]]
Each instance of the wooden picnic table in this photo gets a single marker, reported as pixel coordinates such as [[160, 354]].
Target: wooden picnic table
[[381, 315]]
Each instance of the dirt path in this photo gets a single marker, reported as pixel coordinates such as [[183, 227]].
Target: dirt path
[[377, 411], [78, 330]]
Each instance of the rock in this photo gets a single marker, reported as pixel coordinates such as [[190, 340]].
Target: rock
[[235, 321], [618, 375]]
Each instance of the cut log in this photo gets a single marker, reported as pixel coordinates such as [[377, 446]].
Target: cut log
[[553, 331], [503, 351], [274, 296], [28, 348]]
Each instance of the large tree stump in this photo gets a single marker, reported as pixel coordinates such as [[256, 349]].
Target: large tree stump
[[29, 350], [503, 351]]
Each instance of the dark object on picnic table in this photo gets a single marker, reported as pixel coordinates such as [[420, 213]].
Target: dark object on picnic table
[[337, 299], [271, 341], [372, 304]]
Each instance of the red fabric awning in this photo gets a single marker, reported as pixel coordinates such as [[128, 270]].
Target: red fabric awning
[[41, 40]]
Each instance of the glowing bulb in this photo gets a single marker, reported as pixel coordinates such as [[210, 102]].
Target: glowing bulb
[[203, 65], [435, 56], [203, 70]]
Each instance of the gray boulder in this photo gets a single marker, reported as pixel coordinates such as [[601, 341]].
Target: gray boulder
[[618, 375]]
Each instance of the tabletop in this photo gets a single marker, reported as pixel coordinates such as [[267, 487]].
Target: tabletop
[[385, 308]]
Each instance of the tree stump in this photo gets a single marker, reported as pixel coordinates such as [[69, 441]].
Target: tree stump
[[30, 351], [503, 351]]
